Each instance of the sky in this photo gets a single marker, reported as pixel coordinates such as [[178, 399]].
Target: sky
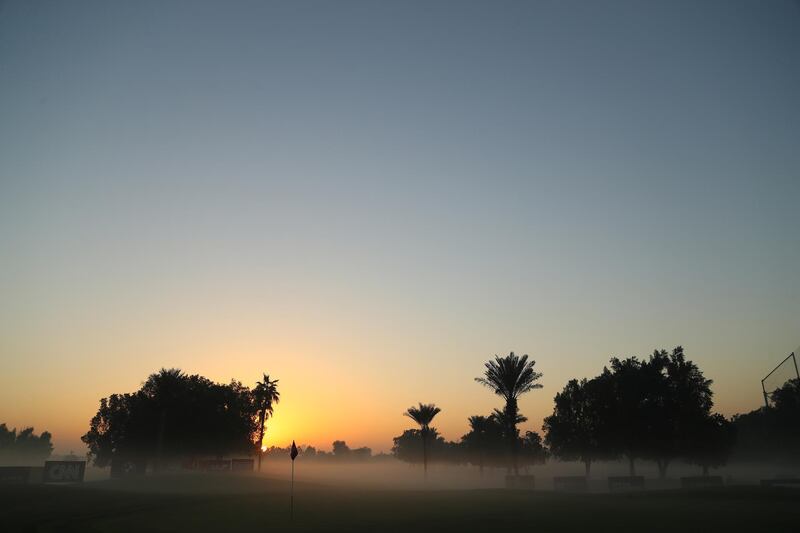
[[368, 200]]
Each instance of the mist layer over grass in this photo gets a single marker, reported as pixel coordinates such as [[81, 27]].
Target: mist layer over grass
[[200, 503]]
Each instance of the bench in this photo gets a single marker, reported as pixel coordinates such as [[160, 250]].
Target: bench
[[696, 482], [781, 482], [625, 483], [570, 483]]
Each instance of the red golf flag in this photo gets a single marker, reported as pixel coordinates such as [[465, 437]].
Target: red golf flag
[[293, 453]]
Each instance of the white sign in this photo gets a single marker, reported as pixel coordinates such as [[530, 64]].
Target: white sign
[[64, 471]]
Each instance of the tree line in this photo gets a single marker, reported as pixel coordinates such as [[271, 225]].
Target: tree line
[[659, 408], [175, 416], [24, 447], [773, 432], [340, 453]]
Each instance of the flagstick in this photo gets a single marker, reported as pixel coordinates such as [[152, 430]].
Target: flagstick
[[291, 505], [293, 454]]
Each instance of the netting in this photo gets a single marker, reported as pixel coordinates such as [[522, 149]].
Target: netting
[[777, 378]]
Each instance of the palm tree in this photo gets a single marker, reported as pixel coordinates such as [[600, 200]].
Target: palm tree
[[266, 395], [423, 415], [510, 377]]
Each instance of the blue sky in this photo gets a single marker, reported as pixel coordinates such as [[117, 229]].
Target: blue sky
[[393, 192]]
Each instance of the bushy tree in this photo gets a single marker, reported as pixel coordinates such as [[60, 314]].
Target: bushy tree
[[361, 454], [660, 404], [578, 428], [24, 447], [629, 419], [173, 416], [657, 408], [485, 444], [710, 442], [408, 447], [679, 402], [772, 434], [341, 450], [532, 451]]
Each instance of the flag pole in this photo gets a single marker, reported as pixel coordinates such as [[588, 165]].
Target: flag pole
[[293, 455], [291, 505]]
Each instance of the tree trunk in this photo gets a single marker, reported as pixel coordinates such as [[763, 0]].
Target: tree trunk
[[162, 425], [631, 466], [512, 411], [425, 453], [262, 418], [588, 465], [705, 470]]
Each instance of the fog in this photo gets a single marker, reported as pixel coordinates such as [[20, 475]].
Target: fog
[[391, 474]]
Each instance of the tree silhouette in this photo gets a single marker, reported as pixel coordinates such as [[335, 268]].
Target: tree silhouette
[[510, 377], [711, 442], [266, 395], [173, 416], [660, 404], [484, 442], [341, 450], [629, 419], [657, 408], [165, 386], [423, 415], [24, 448], [408, 446], [772, 433], [533, 452], [680, 400], [577, 429]]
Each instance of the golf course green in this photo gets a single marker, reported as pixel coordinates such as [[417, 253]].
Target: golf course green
[[205, 503]]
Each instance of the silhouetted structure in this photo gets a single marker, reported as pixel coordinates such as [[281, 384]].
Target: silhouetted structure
[[423, 415], [173, 416], [658, 408], [577, 430], [266, 395], [510, 377], [24, 447], [771, 434]]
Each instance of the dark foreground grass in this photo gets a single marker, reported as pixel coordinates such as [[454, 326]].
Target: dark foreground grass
[[206, 503]]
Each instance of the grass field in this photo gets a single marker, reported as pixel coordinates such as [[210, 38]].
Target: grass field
[[219, 503]]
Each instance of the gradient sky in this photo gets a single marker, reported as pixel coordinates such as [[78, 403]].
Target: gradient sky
[[367, 200]]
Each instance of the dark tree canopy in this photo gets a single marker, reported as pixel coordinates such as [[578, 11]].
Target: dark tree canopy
[[658, 408], [484, 446], [710, 443], [24, 448], [532, 451], [680, 402], [509, 377], [423, 416], [577, 430], [410, 446], [772, 434], [174, 416]]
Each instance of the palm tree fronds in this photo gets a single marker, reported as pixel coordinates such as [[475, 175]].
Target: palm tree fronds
[[510, 376], [422, 415]]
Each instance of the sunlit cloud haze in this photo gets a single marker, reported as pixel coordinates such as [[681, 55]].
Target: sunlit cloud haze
[[367, 200]]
